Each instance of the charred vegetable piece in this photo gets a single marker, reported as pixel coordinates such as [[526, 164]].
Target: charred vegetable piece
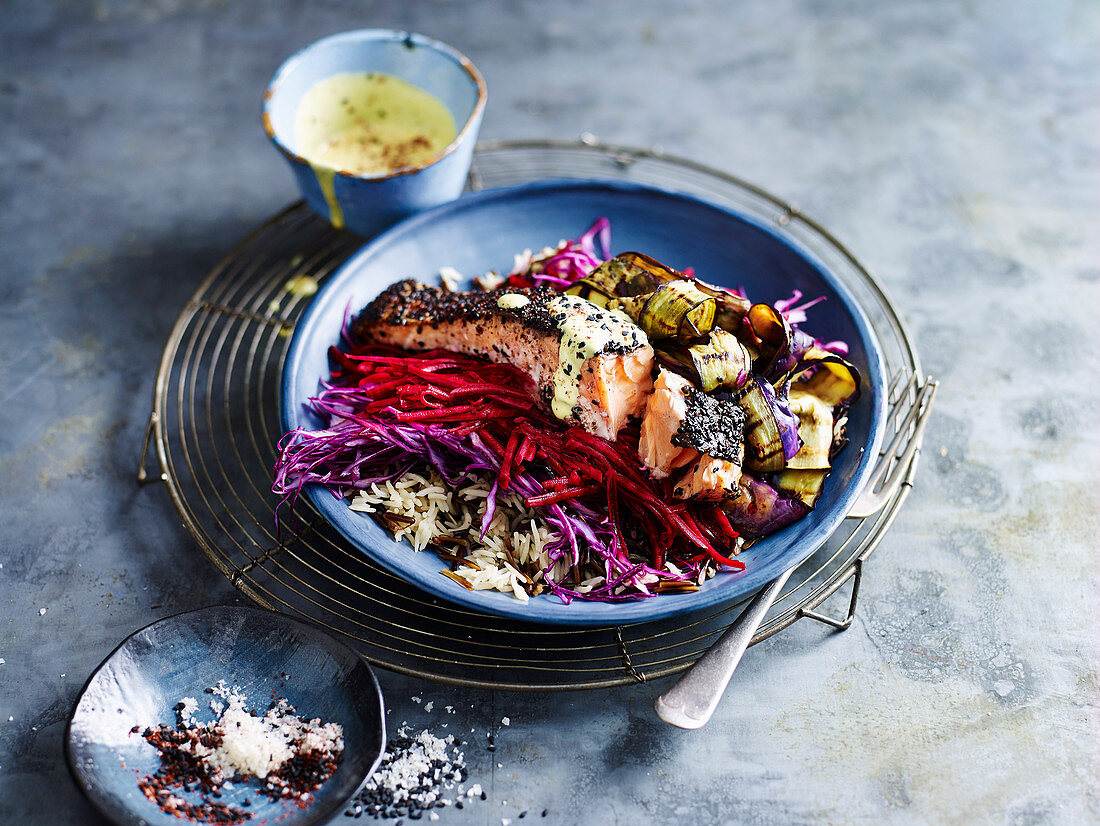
[[803, 485], [773, 332], [713, 427], [628, 274], [676, 309], [732, 308], [760, 509], [836, 381], [722, 362], [763, 442], [793, 360], [586, 290], [657, 297], [786, 420], [815, 428], [771, 429]]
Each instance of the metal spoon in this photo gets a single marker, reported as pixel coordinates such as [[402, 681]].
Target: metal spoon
[[692, 700]]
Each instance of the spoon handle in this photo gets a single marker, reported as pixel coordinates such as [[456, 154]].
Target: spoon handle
[[692, 700]]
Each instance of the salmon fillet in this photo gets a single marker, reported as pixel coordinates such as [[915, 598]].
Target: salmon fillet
[[592, 367]]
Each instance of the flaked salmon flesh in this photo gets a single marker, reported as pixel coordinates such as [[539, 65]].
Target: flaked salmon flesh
[[670, 437]]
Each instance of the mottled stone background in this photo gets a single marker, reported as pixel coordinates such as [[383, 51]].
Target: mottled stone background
[[953, 146]]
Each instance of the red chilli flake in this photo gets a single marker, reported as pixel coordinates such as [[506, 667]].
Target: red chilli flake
[[184, 767], [180, 770]]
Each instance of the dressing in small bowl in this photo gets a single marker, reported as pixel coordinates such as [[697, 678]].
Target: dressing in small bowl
[[376, 124]]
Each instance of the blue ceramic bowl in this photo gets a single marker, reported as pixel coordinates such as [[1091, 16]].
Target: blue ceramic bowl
[[176, 657], [369, 204], [482, 231]]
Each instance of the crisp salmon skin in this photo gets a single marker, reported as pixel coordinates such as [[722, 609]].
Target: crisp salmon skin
[[592, 367]]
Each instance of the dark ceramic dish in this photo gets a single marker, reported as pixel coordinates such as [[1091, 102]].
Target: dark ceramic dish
[[179, 656]]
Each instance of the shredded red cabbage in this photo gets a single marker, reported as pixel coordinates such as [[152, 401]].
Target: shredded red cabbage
[[794, 312], [569, 262]]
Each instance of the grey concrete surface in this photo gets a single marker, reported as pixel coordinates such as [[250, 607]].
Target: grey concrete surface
[[953, 146]]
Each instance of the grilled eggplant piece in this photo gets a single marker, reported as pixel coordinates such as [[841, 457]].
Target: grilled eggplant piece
[[763, 442], [731, 307], [673, 310], [761, 510], [815, 429], [660, 300], [835, 381], [627, 274], [722, 362], [803, 485]]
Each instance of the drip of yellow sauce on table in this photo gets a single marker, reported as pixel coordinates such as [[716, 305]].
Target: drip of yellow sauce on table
[[300, 286], [326, 177], [368, 124]]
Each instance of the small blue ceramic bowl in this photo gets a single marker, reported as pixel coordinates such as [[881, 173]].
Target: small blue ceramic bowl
[[368, 204], [266, 654]]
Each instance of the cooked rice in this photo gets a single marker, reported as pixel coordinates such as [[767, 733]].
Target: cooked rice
[[510, 558]]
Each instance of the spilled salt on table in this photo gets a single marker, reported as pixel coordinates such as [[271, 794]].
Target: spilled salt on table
[[418, 773]]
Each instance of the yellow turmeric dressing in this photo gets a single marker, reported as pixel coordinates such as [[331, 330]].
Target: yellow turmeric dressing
[[370, 123], [581, 339]]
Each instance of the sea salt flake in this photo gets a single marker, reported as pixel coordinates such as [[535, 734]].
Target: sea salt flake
[[428, 706], [506, 721], [450, 278], [41, 612]]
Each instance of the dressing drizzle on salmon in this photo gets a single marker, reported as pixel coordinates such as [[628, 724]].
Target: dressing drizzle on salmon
[[591, 366]]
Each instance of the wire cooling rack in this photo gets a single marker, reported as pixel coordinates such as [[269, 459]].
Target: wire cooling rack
[[214, 425]]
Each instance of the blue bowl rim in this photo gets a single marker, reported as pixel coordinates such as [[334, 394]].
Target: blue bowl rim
[[593, 614], [114, 815], [358, 35]]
